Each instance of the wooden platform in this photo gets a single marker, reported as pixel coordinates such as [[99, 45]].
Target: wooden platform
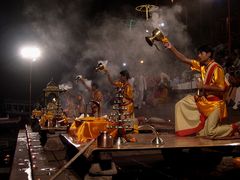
[[32, 160], [170, 141], [145, 154]]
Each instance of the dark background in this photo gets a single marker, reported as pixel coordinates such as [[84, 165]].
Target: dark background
[[206, 21]]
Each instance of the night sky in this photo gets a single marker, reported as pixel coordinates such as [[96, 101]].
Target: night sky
[[68, 29]]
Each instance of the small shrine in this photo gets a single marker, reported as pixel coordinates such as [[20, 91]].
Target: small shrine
[[52, 93], [51, 115]]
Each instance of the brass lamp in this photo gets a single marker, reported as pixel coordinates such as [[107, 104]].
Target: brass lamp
[[156, 35]]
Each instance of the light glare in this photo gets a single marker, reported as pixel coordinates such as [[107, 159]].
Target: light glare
[[162, 24], [30, 53]]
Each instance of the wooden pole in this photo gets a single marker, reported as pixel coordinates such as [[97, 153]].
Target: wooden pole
[[73, 159], [229, 26]]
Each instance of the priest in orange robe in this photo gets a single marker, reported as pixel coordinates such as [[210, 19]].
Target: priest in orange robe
[[203, 114]]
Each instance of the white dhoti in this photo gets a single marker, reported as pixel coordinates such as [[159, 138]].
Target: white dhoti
[[188, 120]]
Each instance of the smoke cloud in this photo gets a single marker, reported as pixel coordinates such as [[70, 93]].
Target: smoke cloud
[[78, 34]]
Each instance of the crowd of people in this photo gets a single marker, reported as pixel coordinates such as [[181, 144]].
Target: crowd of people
[[231, 65]]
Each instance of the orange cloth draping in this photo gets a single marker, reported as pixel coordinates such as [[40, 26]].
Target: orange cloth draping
[[88, 128], [37, 113], [49, 116], [44, 118], [206, 106]]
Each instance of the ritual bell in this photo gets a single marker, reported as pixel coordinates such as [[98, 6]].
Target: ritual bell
[[156, 35]]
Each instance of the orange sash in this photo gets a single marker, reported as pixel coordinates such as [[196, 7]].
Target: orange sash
[[207, 104]]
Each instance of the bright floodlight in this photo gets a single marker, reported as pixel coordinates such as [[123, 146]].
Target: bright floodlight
[[30, 53]]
